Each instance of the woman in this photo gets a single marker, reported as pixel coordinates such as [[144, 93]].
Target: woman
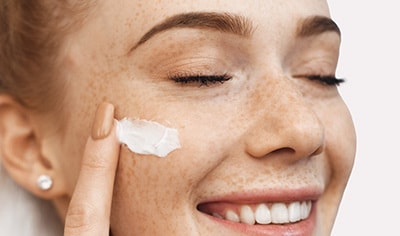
[[266, 142]]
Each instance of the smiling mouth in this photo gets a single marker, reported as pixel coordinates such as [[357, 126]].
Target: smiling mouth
[[261, 213]]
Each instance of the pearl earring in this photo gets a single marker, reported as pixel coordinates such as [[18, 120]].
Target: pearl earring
[[44, 182]]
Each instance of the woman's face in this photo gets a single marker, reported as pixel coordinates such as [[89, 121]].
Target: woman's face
[[256, 128]]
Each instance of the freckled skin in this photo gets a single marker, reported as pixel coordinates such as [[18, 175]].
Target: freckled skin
[[260, 130]]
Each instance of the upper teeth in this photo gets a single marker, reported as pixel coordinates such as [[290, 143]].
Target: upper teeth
[[276, 213]]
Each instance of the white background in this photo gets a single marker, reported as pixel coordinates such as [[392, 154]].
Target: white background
[[370, 62]]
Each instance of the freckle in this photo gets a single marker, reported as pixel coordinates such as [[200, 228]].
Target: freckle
[[171, 46], [140, 66]]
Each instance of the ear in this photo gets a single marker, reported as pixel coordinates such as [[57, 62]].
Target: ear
[[20, 149]]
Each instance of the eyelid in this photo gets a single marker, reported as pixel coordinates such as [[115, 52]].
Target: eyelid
[[328, 80], [200, 79]]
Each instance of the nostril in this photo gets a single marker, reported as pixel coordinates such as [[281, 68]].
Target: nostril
[[295, 154], [286, 150]]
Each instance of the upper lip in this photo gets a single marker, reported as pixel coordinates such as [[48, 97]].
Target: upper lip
[[266, 196]]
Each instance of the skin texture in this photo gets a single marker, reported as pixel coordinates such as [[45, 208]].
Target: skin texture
[[266, 130]]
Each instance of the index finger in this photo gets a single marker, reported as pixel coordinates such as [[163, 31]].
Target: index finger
[[90, 206]]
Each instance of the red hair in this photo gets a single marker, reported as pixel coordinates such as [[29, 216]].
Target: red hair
[[31, 38]]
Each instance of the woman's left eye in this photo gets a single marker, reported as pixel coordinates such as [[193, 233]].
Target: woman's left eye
[[326, 80], [202, 80]]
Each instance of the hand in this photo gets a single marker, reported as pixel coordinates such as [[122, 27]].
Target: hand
[[89, 210]]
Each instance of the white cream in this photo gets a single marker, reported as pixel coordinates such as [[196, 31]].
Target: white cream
[[147, 137]]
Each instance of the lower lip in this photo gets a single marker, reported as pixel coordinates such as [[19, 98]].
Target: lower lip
[[303, 228]]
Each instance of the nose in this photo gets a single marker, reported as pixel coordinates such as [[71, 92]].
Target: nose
[[284, 122]]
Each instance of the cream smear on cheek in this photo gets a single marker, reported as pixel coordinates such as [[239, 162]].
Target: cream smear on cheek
[[147, 137]]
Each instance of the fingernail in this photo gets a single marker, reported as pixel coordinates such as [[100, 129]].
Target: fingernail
[[103, 121]]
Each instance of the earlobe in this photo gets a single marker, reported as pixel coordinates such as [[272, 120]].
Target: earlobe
[[20, 151]]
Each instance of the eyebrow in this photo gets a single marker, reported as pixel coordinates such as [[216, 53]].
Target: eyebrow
[[223, 22], [317, 25]]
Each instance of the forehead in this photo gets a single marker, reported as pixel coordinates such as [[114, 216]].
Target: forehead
[[119, 27], [142, 15]]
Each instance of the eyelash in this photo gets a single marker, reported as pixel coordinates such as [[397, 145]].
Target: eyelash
[[326, 80], [207, 80], [202, 80]]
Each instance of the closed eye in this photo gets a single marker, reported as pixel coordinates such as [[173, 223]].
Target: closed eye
[[201, 80], [326, 80]]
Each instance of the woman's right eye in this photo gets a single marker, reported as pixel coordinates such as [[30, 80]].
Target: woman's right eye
[[201, 80]]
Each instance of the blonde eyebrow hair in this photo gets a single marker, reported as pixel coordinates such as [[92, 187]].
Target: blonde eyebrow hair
[[223, 22]]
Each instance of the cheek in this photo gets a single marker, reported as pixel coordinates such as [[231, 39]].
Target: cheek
[[202, 148], [148, 185], [145, 181], [340, 141], [85, 90]]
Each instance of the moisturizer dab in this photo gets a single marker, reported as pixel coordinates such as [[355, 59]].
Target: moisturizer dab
[[147, 137]]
